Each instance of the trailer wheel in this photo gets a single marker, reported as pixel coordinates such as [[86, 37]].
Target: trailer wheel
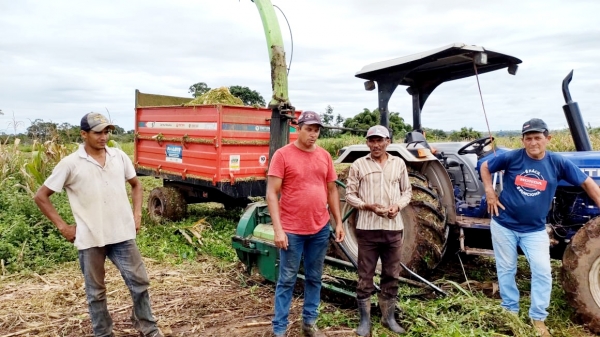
[[581, 274], [166, 203], [425, 234]]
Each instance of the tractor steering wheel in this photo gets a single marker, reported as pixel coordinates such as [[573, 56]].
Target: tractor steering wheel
[[476, 146]]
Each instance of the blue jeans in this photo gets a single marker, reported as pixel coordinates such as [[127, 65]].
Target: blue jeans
[[536, 246], [127, 258], [313, 247]]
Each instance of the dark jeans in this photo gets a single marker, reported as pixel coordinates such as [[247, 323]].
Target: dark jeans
[[127, 258], [312, 248], [373, 245]]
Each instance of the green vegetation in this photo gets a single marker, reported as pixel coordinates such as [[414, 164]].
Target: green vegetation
[[247, 96], [368, 118]]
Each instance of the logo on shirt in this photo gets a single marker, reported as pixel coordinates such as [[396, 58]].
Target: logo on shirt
[[530, 183]]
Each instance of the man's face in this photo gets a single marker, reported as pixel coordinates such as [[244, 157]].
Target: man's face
[[308, 134], [377, 145], [96, 139], [535, 143]]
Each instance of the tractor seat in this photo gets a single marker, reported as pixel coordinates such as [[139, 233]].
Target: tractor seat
[[415, 137]]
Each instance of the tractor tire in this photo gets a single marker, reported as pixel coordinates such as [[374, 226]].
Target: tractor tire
[[581, 274], [166, 203], [425, 236]]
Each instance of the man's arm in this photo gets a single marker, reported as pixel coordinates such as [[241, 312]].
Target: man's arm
[[273, 190], [492, 199], [333, 200], [42, 199], [592, 190], [136, 197]]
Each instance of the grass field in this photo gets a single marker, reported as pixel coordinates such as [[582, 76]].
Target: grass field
[[30, 246]]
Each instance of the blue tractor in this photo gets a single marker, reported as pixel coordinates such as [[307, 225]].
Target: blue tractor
[[448, 208]]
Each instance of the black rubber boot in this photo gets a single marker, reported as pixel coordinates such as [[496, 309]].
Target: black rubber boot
[[364, 313], [388, 306]]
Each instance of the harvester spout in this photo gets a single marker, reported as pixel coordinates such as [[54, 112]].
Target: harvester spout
[[282, 109], [574, 119]]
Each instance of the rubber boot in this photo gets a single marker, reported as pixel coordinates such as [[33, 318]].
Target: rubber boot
[[388, 306], [364, 313]]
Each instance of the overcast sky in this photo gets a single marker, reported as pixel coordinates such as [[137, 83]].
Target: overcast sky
[[63, 58]]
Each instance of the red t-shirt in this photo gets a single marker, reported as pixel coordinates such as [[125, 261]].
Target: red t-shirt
[[303, 202]]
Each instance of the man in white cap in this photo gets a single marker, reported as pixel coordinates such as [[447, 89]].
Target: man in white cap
[[94, 178], [379, 188]]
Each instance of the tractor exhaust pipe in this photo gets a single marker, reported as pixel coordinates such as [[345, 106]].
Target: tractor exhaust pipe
[[573, 115]]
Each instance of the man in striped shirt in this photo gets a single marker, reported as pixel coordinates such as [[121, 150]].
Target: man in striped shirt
[[378, 187]]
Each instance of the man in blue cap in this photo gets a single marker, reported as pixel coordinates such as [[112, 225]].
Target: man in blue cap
[[531, 176]]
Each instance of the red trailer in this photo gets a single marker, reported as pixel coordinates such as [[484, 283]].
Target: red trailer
[[203, 153]]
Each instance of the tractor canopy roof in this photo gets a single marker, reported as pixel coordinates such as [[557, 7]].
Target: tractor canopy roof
[[439, 65]]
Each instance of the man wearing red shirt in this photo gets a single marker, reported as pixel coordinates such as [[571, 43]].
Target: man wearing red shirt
[[304, 175]]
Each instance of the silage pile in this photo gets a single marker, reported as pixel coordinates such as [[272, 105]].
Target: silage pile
[[216, 96]]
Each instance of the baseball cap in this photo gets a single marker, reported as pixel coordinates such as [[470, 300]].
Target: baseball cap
[[310, 117], [534, 125], [378, 131], [96, 122]]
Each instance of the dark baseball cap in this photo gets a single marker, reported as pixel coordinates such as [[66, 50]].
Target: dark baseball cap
[[310, 117], [96, 122], [534, 125]]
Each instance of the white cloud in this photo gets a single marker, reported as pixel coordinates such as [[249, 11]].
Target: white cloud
[[62, 59]]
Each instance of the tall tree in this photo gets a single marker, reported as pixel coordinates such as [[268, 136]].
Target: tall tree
[[198, 89], [41, 130], [328, 115], [367, 118], [328, 119], [247, 95], [339, 120]]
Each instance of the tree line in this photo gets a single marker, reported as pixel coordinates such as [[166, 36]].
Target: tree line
[[338, 125]]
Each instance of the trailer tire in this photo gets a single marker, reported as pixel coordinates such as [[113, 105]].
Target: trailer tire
[[425, 236], [581, 274], [166, 203]]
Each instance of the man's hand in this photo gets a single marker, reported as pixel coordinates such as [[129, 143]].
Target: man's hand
[[339, 232], [393, 211], [492, 202], [68, 232], [281, 239], [377, 209]]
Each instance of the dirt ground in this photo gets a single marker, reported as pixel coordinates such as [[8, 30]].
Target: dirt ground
[[206, 298]]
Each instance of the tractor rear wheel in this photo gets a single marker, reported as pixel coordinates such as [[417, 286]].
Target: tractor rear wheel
[[581, 274], [166, 203], [425, 234]]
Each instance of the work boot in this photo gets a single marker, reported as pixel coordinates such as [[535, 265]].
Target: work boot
[[388, 306], [311, 330], [156, 333], [541, 329], [364, 313]]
